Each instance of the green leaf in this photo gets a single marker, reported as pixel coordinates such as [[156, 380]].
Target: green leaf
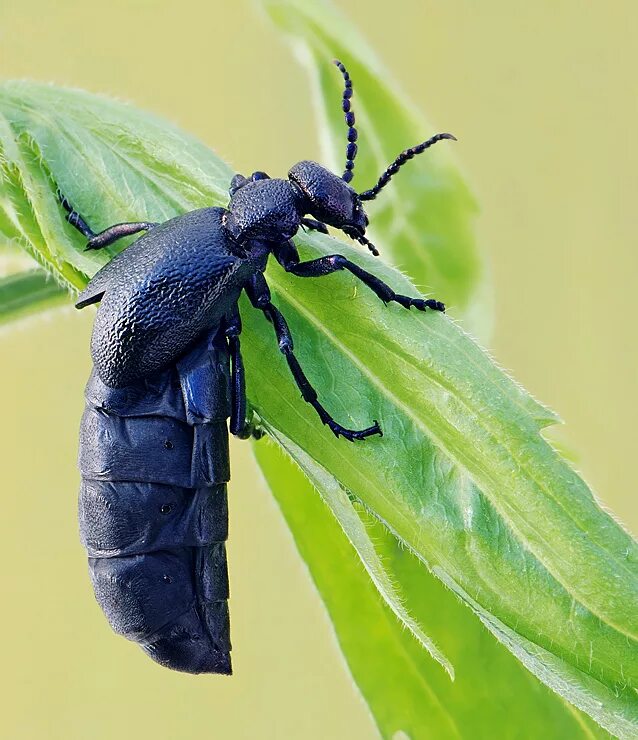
[[605, 705], [404, 689], [424, 222], [146, 169], [344, 511], [26, 293], [462, 477]]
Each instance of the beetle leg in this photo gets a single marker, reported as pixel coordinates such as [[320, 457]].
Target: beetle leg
[[117, 231], [238, 421], [286, 253], [237, 182], [334, 262], [240, 426], [106, 237], [74, 218], [311, 223], [259, 295]]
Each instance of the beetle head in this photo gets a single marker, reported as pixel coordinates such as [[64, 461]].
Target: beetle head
[[272, 210], [328, 197]]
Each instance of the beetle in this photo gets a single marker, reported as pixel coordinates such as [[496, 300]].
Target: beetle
[[168, 375]]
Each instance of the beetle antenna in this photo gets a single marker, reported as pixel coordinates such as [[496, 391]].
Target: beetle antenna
[[351, 149], [399, 162]]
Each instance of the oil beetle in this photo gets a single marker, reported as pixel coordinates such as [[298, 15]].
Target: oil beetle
[[167, 375]]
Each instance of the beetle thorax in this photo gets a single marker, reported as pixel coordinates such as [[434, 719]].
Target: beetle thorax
[[264, 209]]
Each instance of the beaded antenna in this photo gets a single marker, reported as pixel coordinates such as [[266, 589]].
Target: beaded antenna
[[351, 149]]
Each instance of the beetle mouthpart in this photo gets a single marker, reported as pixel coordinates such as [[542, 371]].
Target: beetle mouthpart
[[358, 236]]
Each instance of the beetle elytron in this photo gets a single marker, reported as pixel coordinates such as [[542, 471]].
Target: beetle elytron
[[168, 374]]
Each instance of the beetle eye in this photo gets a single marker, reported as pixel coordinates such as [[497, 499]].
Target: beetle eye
[[359, 217]]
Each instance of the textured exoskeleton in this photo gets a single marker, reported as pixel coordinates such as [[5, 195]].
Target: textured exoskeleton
[[167, 375]]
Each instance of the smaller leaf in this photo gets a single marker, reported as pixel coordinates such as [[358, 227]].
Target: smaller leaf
[[345, 513], [29, 292], [406, 691]]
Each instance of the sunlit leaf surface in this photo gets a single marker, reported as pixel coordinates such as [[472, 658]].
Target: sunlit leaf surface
[[29, 292]]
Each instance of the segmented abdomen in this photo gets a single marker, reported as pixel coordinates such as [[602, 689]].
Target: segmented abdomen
[[153, 508]]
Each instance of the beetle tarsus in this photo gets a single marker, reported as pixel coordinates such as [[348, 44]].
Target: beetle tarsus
[[421, 304], [435, 305], [73, 217], [352, 435], [250, 429]]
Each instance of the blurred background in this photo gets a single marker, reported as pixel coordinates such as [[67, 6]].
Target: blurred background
[[543, 99]]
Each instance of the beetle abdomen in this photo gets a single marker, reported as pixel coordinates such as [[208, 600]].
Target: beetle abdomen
[[153, 508]]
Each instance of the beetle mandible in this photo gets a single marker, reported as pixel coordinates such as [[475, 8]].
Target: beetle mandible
[[167, 375]]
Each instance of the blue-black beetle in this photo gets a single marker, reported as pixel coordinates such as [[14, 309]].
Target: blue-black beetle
[[167, 376]]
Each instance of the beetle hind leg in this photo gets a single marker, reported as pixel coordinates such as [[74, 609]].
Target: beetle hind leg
[[107, 236], [74, 218], [240, 425]]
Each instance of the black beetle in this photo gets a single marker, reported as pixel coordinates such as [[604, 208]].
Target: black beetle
[[168, 374]]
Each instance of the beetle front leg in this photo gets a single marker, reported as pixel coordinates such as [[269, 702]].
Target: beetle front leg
[[314, 225], [259, 295], [106, 237], [335, 262]]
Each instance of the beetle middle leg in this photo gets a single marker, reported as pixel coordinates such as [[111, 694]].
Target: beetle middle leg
[[107, 236], [240, 426], [335, 262], [259, 295], [238, 423]]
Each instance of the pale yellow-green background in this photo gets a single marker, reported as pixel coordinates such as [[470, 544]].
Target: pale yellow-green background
[[543, 98]]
